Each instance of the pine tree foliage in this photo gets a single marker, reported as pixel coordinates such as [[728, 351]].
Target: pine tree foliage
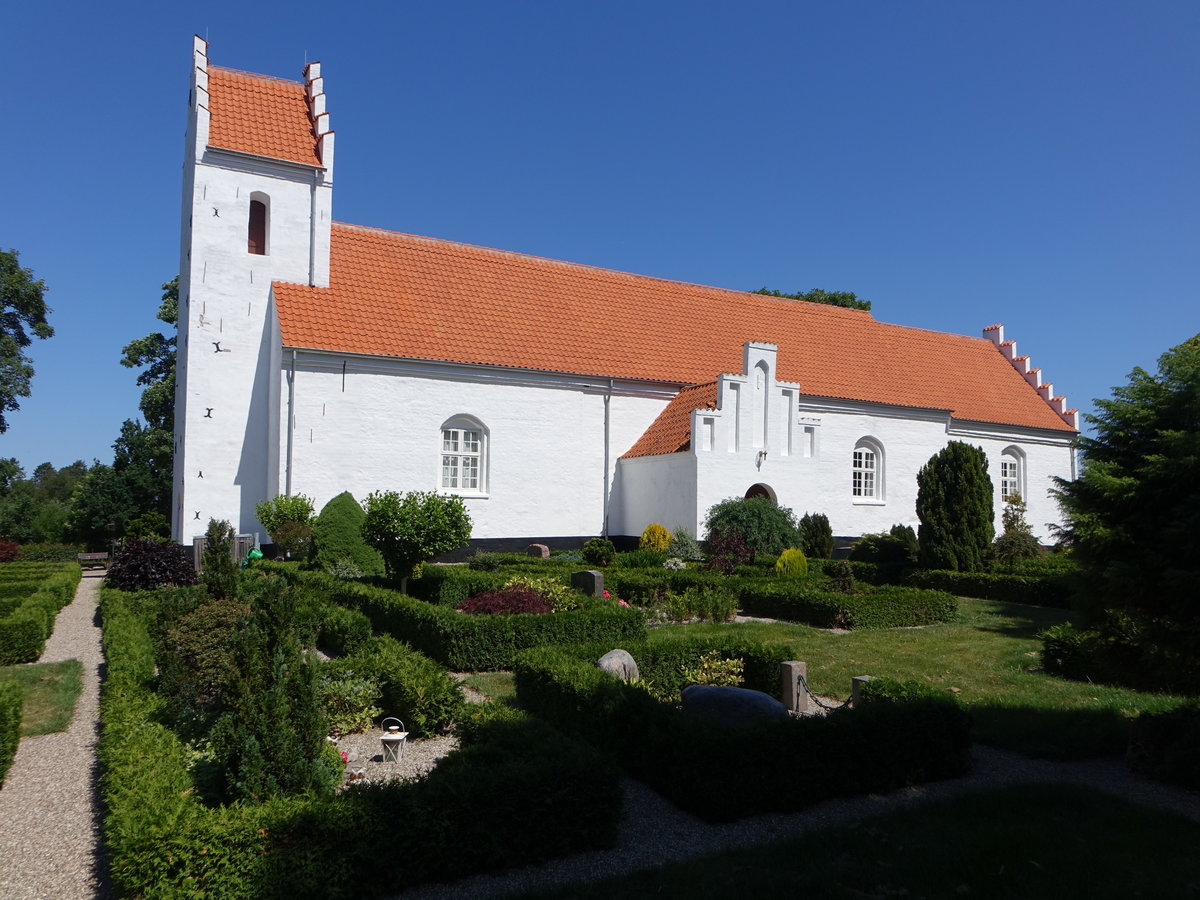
[[816, 536], [1133, 515], [954, 504], [1017, 542]]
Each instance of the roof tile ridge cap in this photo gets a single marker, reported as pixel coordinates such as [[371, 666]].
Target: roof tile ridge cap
[[277, 79], [577, 265]]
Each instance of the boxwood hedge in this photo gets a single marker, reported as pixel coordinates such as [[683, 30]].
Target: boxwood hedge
[[1052, 590], [888, 606], [900, 735], [11, 702], [163, 842], [28, 623], [474, 643]]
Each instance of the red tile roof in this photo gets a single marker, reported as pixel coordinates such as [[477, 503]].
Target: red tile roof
[[260, 115], [399, 295], [672, 430]]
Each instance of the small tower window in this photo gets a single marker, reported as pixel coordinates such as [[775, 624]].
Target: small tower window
[[257, 233]]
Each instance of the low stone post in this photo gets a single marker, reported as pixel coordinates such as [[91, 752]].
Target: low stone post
[[589, 582], [856, 686], [794, 696]]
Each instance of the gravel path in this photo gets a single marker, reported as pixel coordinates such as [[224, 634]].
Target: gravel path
[[49, 831], [49, 823]]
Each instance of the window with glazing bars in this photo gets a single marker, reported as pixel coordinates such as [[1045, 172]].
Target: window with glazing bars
[[462, 450], [863, 474]]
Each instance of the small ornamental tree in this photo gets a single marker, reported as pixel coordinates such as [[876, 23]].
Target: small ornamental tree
[[220, 572], [816, 536], [288, 519], [410, 529], [954, 504], [765, 527], [1017, 542], [338, 540]]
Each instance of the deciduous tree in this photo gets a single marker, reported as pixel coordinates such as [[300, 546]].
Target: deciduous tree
[[410, 529], [23, 314]]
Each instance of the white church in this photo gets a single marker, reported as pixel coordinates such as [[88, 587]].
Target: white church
[[562, 401]]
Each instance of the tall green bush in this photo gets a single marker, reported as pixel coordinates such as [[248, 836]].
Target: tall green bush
[[338, 538], [410, 529], [766, 528], [954, 504], [816, 536], [220, 572]]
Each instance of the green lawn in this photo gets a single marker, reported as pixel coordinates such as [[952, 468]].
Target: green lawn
[[50, 692], [1026, 843], [988, 658]]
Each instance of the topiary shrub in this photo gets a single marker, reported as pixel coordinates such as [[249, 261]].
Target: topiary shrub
[[219, 571], [841, 576], [791, 563], [599, 552], [505, 601], [655, 538], [149, 565], [765, 527], [954, 504], [337, 538], [816, 536]]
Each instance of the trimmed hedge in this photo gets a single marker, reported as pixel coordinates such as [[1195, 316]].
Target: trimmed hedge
[[24, 630], [11, 702], [901, 735], [163, 843], [796, 600], [1166, 746], [474, 643], [1036, 590]]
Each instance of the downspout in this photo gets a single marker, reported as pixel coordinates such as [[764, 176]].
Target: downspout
[[291, 425], [607, 399]]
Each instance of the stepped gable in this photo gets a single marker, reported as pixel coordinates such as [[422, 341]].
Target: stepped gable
[[400, 295], [261, 115]]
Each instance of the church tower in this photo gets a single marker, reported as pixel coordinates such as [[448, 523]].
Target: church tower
[[257, 201]]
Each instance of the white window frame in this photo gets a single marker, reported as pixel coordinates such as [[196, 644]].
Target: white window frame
[[867, 472], [1012, 482], [463, 444]]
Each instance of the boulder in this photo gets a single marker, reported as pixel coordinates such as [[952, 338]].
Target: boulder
[[619, 664], [539, 551], [732, 706]]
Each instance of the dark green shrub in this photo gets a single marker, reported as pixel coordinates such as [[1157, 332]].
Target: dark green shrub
[[765, 527], [484, 562], [1036, 590], [876, 607], [11, 702], [505, 601], [954, 504], [816, 536], [47, 552], [219, 570], [337, 539], [1124, 651], [1166, 746], [271, 738], [343, 631], [890, 742], [451, 585], [412, 687], [640, 559], [147, 565], [841, 576], [1017, 543], [895, 547], [599, 552], [197, 656]]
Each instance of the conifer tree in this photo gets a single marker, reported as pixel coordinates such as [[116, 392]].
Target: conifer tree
[[954, 504]]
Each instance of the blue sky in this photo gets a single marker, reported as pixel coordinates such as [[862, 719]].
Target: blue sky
[[956, 163]]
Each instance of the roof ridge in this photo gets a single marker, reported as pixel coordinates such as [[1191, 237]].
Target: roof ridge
[[807, 304], [275, 78]]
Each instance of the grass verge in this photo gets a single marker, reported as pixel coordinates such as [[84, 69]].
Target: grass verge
[[498, 686], [50, 690], [989, 659], [985, 845]]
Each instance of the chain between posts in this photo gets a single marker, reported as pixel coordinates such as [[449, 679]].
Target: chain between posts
[[817, 700]]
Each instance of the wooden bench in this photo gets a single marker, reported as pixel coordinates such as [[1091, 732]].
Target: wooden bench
[[92, 559]]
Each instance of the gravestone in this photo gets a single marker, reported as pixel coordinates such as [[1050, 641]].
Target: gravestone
[[590, 583], [732, 706], [540, 551]]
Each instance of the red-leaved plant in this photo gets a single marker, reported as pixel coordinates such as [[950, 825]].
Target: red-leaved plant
[[505, 601]]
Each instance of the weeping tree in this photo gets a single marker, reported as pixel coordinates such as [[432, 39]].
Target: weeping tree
[[954, 504]]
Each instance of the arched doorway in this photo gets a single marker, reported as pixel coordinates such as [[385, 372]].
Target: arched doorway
[[761, 490]]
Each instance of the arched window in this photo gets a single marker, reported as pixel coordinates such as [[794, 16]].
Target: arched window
[[1012, 473], [866, 472], [256, 231], [464, 456]]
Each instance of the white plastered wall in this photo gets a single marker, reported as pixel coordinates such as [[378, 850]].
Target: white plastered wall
[[376, 425]]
